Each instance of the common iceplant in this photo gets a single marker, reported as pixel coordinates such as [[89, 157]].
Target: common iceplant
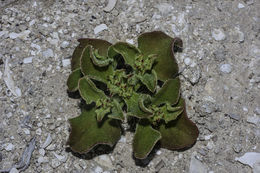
[[118, 81]]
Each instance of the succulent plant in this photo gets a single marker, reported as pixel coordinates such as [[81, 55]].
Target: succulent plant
[[120, 80]]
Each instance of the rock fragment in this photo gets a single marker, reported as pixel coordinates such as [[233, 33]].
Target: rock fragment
[[47, 141], [100, 28], [218, 34], [48, 53], [110, 5], [249, 158], [104, 160], [27, 60], [225, 68], [197, 166]]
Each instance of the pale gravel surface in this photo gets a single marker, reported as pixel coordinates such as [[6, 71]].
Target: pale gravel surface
[[220, 79]]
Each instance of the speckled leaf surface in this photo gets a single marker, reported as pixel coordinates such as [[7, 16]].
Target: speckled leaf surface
[[89, 92], [73, 80], [162, 45], [149, 80], [116, 112], [179, 133], [89, 69], [86, 132], [101, 45], [144, 140], [170, 92]]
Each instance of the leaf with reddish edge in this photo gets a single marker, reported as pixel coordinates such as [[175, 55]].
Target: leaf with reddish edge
[[86, 132], [73, 80], [145, 139], [180, 133], [169, 93], [89, 92], [163, 46], [101, 45], [92, 71]]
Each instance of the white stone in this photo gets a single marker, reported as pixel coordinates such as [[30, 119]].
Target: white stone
[[110, 5], [42, 151], [27, 60], [122, 139], [13, 35], [39, 131], [100, 28], [245, 109], [208, 137], [249, 158], [253, 119], [218, 34], [9, 147], [2, 33], [197, 166], [14, 170], [26, 131], [43, 159], [48, 53], [187, 61], [225, 68], [130, 41], [47, 141], [60, 157], [240, 5], [158, 152], [98, 169], [257, 109], [65, 62], [64, 44], [55, 163], [104, 160], [256, 168], [210, 145], [1, 74]]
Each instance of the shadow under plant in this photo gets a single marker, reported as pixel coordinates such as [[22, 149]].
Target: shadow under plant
[[120, 82]]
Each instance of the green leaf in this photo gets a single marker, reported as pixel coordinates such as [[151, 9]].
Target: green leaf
[[101, 112], [89, 92], [179, 133], [172, 113], [117, 112], [162, 45], [142, 105], [133, 108], [86, 132], [101, 45], [89, 69], [145, 139], [100, 61], [129, 52], [149, 80], [73, 80], [169, 93]]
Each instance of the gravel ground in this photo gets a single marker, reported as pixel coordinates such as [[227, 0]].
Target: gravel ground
[[220, 81]]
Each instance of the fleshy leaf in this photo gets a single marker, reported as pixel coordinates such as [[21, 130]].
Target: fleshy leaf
[[163, 46], [101, 112], [89, 92], [101, 45], [179, 133], [73, 80], [86, 132], [92, 71], [100, 61], [133, 108], [117, 112], [129, 52], [149, 80], [145, 139], [172, 113], [169, 93], [142, 105]]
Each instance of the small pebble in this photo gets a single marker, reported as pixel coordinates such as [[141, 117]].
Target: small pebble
[[27, 60], [104, 160], [47, 53], [14, 170], [47, 141], [218, 34], [65, 62], [98, 169], [42, 151], [257, 111], [55, 163], [42, 159], [158, 152], [130, 41], [240, 5], [9, 147], [253, 120], [64, 44], [100, 28], [187, 61], [235, 116], [225, 68]]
